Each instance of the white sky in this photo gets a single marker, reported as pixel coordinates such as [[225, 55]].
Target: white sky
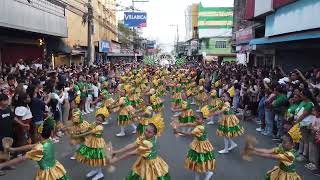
[[163, 13]]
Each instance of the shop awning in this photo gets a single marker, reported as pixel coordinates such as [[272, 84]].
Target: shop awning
[[286, 38]]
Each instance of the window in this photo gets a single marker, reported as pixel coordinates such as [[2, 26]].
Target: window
[[221, 44]]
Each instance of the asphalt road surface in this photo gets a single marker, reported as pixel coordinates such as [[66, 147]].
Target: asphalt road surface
[[173, 150]]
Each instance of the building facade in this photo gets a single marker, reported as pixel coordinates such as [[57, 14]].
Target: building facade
[[191, 22], [284, 33], [104, 31], [26, 27], [215, 32]]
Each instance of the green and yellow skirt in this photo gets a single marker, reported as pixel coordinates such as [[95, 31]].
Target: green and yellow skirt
[[124, 120], [200, 157], [282, 172], [94, 157], [154, 169], [157, 107], [229, 126], [187, 119], [55, 173]]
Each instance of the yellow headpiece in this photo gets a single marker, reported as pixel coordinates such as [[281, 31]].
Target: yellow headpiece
[[157, 120], [77, 116], [103, 111], [295, 133]]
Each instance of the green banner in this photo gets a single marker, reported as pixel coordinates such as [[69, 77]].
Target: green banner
[[215, 17]]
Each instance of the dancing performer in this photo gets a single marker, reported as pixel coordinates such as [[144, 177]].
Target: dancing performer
[[79, 126], [202, 96], [156, 102], [148, 166], [125, 117], [144, 120], [177, 98], [229, 126], [93, 151], [215, 104], [285, 154], [107, 102], [200, 158], [186, 116], [43, 153]]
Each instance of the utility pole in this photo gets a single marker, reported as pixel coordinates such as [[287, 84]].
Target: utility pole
[[177, 39], [90, 54], [177, 26], [134, 32]]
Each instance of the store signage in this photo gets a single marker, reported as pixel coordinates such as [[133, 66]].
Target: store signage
[[244, 35], [135, 19], [104, 46]]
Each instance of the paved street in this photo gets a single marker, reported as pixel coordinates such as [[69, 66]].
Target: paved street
[[173, 150]]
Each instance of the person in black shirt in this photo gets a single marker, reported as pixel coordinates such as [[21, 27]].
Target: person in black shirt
[[6, 119], [37, 107]]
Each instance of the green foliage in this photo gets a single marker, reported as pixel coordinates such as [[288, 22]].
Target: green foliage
[[181, 61], [149, 60]]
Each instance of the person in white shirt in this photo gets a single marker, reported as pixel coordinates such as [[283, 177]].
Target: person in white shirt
[[24, 116]]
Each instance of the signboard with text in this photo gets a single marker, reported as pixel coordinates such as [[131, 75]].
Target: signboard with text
[[244, 35], [135, 19], [104, 46]]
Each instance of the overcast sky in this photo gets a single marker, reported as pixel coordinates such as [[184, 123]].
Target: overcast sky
[[163, 13]]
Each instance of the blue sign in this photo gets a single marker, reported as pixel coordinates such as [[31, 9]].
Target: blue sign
[[104, 46], [135, 19]]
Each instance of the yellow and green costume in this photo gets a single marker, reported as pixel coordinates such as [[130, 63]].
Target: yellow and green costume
[[125, 118], [229, 125], [191, 89], [92, 152], [148, 166], [144, 121], [201, 97], [177, 96], [50, 168], [187, 114], [156, 103], [286, 169], [78, 128], [215, 104], [200, 157]]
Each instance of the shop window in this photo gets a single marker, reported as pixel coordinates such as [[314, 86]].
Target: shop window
[[221, 44]]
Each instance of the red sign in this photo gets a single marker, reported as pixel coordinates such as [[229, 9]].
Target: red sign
[[280, 3], [249, 11], [244, 35]]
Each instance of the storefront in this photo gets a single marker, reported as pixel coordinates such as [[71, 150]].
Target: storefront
[[102, 53]]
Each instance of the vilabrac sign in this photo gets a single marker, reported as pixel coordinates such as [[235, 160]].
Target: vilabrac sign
[[135, 19]]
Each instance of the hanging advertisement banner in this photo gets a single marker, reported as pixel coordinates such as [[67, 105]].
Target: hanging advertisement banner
[[135, 19]]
